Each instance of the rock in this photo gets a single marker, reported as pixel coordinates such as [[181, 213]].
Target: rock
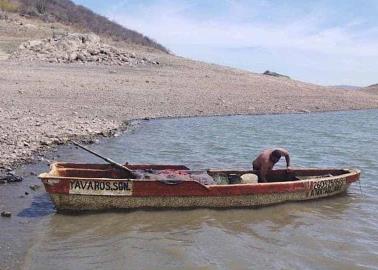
[[95, 141], [93, 51], [57, 141], [44, 143], [77, 47], [35, 43], [72, 57], [6, 214], [275, 74], [11, 177], [26, 193], [304, 111], [34, 187], [91, 38], [81, 57], [104, 134]]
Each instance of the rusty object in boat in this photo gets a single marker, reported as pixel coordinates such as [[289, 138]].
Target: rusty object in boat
[[77, 187]]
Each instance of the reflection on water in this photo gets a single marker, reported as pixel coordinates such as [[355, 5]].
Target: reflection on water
[[335, 233]]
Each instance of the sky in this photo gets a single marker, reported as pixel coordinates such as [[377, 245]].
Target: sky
[[328, 42]]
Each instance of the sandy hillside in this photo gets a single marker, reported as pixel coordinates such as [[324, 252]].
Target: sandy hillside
[[48, 103]]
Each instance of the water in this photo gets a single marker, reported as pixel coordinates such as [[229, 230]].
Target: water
[[335, 233]]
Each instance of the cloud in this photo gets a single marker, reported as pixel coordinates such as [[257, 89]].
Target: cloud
[[175, 24], [319, 36]]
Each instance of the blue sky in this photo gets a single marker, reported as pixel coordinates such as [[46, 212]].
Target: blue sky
[[323, 42]]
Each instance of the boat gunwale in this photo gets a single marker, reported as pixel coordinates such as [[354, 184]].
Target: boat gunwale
[[349, 172]]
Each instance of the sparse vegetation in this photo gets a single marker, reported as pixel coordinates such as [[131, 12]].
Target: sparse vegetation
[[67, 12], [6, 5]]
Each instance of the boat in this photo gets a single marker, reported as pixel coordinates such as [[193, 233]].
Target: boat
[[78, 187]]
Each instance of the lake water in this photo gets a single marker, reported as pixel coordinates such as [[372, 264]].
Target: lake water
[[336, 233]]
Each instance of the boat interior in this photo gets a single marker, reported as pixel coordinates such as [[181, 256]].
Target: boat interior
[[172, 173]]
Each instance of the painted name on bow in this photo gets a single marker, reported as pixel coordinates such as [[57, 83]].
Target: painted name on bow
[[325, 187], [105, 187]]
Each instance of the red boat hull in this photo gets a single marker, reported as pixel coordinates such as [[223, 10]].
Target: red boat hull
[[98, 187]]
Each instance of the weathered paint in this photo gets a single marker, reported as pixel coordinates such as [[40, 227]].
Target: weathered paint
[[79, 193]]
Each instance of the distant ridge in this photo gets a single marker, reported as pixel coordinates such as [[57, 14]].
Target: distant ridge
[[67, 12], [347, 87]]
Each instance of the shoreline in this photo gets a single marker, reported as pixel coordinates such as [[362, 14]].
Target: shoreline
[[44, 105], [41, 153], [252, 114]]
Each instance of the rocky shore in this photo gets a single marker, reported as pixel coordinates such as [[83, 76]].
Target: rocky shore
[[43, 105]]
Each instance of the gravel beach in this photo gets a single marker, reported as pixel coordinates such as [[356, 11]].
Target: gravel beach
[[47, 104]]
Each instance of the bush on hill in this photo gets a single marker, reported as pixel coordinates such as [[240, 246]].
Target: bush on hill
[[67, 12]]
